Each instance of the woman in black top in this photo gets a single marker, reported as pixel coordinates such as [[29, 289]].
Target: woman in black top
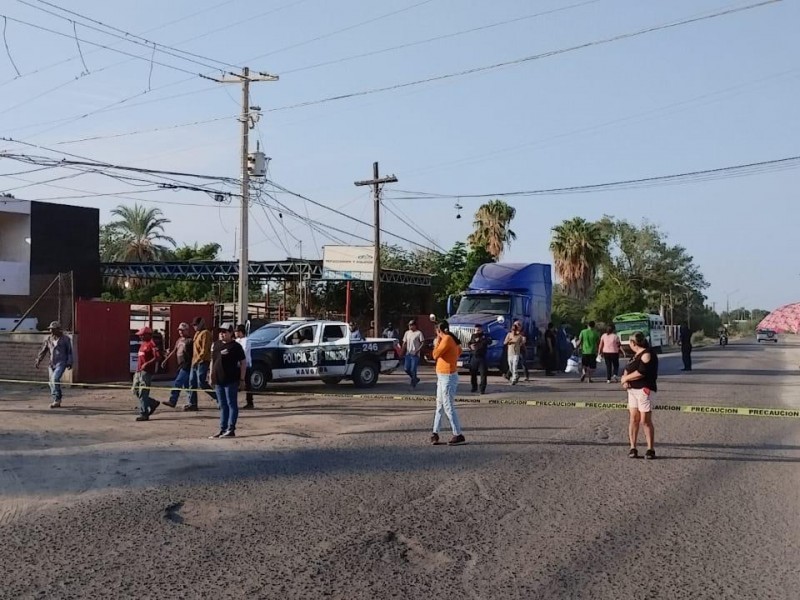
[[639, 379], [228, 369]]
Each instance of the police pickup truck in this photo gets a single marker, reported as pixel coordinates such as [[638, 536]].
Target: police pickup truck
[[302, 349]]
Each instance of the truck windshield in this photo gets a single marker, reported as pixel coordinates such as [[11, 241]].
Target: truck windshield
[[631, 326], [493, 305], [267, 333]]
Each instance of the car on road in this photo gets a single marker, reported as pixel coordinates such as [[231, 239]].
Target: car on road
[[766, 335], [302, 350]]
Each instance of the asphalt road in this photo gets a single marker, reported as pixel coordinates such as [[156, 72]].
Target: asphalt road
[[350, 501]]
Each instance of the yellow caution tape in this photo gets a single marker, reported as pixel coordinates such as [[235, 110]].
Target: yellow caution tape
[[696, 409]]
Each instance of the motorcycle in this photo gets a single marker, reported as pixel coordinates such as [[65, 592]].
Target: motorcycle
[[723, 340]]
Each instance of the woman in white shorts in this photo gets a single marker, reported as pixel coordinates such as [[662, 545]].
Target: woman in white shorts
[[639, 379]]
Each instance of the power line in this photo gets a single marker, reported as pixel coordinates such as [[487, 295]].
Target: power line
[[143, 131], [779, 164], [126, 35], [408, 221], [103, 46], [524, 59], [437, 38]]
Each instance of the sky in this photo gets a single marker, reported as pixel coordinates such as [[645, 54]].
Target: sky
[[705, 95]]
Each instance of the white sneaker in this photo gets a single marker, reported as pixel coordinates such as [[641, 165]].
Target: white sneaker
[[55, 405], [608, 381]]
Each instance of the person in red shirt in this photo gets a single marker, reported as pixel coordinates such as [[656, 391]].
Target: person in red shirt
[[149, 356]]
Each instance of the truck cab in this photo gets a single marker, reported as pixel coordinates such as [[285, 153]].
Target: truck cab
[[498, 295]]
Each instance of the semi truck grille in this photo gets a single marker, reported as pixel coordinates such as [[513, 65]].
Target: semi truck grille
[[462, 333]]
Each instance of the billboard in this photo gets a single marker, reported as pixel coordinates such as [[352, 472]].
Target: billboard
[[348, 262]]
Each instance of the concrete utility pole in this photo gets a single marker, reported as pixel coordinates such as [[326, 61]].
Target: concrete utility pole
[[376, 182], [248, 122]]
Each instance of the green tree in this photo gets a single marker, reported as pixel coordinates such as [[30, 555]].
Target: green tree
[[136, 236], [579, 248], [492, 228]]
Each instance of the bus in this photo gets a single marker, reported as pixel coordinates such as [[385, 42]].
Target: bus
[[652, 326]]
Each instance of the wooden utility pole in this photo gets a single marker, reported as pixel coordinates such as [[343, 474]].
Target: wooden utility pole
[[376, 182], [248, 121]]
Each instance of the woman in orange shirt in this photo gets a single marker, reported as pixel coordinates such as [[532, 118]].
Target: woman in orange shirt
[[446, 351]]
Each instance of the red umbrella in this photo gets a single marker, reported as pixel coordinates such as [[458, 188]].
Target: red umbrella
[[785, 319]]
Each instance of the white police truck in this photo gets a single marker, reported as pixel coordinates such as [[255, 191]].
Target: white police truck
[[304, 349]]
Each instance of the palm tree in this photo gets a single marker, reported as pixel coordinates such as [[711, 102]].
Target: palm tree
[[492, 228], [137, 235], [579, 248]]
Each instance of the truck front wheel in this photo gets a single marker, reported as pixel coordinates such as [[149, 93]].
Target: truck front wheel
[[365, 374]]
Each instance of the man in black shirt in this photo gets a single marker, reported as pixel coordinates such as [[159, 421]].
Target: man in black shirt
[[686, 347], [478, 344], [228, 371]]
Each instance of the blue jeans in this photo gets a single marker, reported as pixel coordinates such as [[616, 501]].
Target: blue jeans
[[228, 406], [198, 378], [181, 382], [446, 386], [54, 375], [411, 363]]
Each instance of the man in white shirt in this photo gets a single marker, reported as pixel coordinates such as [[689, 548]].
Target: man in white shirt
[[241, 338], [355, 334], [413, 340]]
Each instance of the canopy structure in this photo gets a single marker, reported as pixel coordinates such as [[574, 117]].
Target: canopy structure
[[785, 319]]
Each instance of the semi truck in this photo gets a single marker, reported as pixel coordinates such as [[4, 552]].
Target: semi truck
[[498, 295]]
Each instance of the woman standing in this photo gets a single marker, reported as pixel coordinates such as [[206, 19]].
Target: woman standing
[[610, 346], [228, 371], [639, 379], [514, 342], [446, 351]]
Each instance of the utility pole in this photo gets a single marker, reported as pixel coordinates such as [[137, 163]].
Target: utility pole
[[248, 121], [376, 182]]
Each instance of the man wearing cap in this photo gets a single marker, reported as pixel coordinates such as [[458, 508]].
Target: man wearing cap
[[183, 352], [59, 347], [391, 332], [201, 362], [145, 369], [413, 340], [241, 339]]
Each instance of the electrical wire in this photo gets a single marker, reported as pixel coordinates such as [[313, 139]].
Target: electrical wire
[[143, 131], [127, 36], [409, 222], [437, 38], [780, 164], [524, 59]]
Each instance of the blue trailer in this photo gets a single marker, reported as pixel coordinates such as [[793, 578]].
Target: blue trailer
[[499, 294]]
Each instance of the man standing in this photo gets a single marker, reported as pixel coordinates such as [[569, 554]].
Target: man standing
[[478, 345], [355, 333], [686, 347], [241, 339], [413, 340], [201, 361], [183, 352], [59, 347], [228, 374], [143, 378], [391, 332], [589, 341], [550, 351]]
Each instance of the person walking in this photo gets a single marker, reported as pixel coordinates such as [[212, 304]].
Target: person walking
[[610, 347], [550, 351], [513, 343], [241, 339], [201, 362], [146, 361], [446, 351], [59, 347], [413, 341], [686, 346], [640, 380], [228, 372], [478, 345], [588, 340], [523, 351], [183, 353]]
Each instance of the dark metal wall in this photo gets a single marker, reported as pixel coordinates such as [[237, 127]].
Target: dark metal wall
[[67, 238]]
